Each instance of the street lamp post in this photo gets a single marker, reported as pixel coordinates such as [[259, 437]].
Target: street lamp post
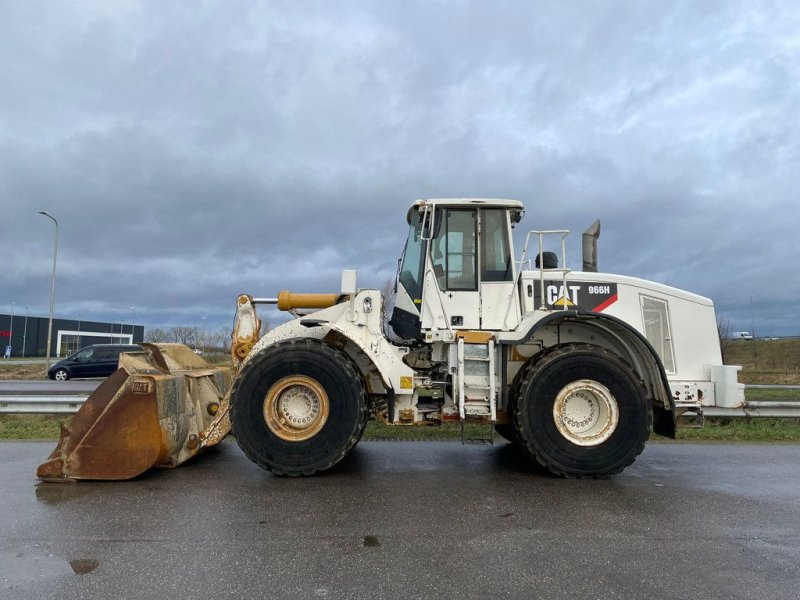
[[133, 324], [52, 289], [203, 347], [113, 316], [753, 327], [11, 333], [25, 332]]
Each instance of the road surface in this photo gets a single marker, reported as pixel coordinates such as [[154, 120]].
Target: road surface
[[410, 520]]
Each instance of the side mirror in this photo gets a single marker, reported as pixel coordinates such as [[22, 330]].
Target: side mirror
[[397, 275], [590, 237]]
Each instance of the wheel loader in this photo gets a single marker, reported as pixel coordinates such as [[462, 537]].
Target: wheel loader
[[574, 367]]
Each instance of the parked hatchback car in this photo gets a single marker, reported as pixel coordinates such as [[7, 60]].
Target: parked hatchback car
[[99, 360]]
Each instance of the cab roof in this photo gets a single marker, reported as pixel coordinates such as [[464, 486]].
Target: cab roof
[[466, 203]]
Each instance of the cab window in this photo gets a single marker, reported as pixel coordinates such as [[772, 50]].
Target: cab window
[[495, 251], [413, 261], [454, 254]]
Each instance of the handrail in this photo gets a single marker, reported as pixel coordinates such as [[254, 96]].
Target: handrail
[[524, 257]]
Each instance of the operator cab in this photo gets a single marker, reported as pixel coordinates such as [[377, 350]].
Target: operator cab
[[458, 264]]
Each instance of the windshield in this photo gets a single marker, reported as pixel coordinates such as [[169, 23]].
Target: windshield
[[413, 261]]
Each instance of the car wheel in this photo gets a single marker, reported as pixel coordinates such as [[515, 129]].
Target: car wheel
[[61, 375]]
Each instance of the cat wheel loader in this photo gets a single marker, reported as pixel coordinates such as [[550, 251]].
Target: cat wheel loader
[[574, 367]]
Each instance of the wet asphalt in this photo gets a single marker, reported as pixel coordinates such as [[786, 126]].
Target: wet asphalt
[[409, 520]]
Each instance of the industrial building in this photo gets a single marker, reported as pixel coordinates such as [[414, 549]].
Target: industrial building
[[28, 335]]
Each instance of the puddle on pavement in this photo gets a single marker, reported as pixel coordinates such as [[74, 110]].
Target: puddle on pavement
[[370, 541], [82, 566]]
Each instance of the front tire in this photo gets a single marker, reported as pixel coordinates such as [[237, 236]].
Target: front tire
[[581, 411], [61, 375], [298, 407]]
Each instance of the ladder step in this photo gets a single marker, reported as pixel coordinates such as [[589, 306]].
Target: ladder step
[[476, 400], [690, 420]]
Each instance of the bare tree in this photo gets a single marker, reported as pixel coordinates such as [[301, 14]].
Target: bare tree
[[182, 334], [222, 339], [156, 335], [725, 333]]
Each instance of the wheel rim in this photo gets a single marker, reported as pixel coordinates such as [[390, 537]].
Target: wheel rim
[[586, 412], [296, 408], [61, 376]]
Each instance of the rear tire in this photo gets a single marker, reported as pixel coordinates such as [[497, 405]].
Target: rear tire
[[581, 411], [298, 407]]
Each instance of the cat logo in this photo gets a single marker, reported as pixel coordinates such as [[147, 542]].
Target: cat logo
[[559, 295], [563, 301], [585, 295]]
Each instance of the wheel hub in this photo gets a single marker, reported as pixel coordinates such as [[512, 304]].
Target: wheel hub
[[296, 408], [586, 412]]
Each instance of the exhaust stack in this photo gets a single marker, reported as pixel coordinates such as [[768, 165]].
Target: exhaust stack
[[590, 237]]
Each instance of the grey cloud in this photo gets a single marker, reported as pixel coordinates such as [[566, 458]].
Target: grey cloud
[[195, 151]]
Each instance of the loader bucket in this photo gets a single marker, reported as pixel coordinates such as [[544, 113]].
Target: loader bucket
[[160, 408]]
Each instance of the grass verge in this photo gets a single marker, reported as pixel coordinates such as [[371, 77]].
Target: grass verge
[[31, 427], [744, 430], [46, 427], [715, 430], [11, 371]]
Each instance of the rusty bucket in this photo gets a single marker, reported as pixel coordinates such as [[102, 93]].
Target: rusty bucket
[[160, 408]]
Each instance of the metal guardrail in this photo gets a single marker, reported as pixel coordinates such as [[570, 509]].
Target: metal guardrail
[[42, 405], [64, 404], [762, 408]]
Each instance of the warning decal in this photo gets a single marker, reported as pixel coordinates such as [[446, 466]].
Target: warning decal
[[577, 295]]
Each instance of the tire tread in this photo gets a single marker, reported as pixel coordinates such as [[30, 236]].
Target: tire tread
[[531, 372], [350, 371]]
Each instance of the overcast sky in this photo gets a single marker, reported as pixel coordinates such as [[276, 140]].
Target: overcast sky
[[193, 151]]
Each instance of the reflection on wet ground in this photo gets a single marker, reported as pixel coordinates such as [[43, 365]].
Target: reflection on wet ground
[[57, 493]]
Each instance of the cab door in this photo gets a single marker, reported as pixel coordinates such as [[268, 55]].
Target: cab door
[[453, 273], [500, 308]]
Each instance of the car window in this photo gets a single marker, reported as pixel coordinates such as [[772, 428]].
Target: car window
[[84, 354], [103, 353]]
